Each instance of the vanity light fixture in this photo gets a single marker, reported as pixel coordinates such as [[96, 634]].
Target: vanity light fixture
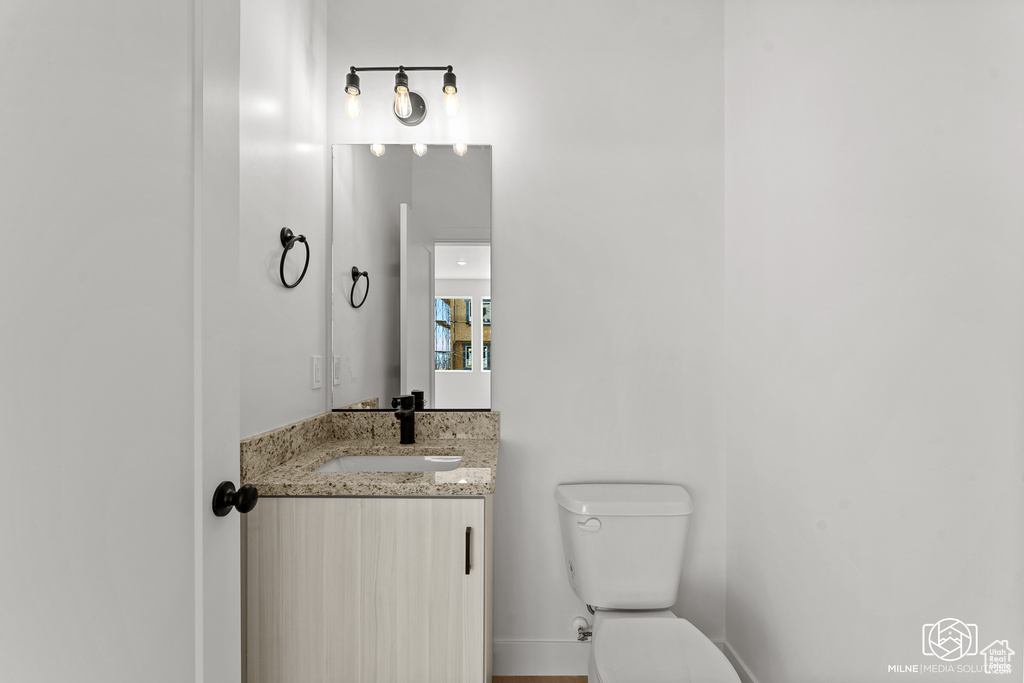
[[403, 103], [352, 95], [410, 107], [451, 94], [460, 148], [377, 149], [419, 149]]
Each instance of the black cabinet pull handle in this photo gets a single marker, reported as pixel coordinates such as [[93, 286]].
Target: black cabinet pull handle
[[469, 548], [226, 497]]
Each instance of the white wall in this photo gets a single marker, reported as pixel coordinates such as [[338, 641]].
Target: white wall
[[461, 388], [283, 164], [607, 193], [874, 166]]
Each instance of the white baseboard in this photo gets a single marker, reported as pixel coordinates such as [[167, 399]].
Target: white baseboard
[[540, 658], [741, 667]]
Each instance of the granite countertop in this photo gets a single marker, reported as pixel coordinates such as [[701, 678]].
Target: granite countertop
[[281, 462], [474, 477]]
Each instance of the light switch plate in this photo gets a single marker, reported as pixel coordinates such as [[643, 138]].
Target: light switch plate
[[337, 370], [318, 372]]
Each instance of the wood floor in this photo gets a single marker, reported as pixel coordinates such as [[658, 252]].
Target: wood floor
[[539, 679]]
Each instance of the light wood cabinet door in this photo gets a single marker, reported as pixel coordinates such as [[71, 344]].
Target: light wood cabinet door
[[301, 582], [422, 564], [367, 590]]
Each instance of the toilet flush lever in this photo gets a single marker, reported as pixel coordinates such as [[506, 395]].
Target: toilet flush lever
[[592, 524]]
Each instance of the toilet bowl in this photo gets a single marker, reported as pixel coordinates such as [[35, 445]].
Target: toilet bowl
[[653, 650], [624, 548]]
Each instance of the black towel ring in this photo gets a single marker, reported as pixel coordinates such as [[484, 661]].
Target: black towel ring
[[288, 240], [356, 274]]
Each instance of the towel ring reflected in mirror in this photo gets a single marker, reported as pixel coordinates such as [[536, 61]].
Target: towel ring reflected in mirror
[[356, 274]]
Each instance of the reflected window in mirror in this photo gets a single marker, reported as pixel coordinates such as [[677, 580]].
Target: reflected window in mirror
[[453, 333], [442, 334], [485, 321]]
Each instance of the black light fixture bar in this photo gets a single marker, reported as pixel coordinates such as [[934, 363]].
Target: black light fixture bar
[[410, 107], [356, 69]]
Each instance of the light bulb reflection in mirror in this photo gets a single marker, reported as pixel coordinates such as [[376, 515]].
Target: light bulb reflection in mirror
[[377, 149], [460, 148], [419, 149]]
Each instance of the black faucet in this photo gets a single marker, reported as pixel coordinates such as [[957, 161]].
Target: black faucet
[[405, 412], [417, 394]]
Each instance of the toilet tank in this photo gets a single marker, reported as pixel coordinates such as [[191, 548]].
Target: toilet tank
[[624, 543]]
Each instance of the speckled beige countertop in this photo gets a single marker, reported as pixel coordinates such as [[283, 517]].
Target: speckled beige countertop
[[280, 462]]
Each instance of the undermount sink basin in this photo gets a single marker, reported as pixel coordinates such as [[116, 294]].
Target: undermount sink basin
[[441, 462]]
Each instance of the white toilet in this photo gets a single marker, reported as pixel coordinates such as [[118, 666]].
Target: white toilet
[[624, 555]]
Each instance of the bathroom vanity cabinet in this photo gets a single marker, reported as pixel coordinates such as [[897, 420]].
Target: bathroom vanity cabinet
[[374, 589], [362, 577]]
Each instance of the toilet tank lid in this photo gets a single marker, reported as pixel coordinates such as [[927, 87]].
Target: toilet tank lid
[[624, 500]]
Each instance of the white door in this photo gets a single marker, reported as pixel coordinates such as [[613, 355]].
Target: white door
[[118, 341], [417, 309]]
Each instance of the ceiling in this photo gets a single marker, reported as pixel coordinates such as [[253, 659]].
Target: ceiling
[[476, 256]]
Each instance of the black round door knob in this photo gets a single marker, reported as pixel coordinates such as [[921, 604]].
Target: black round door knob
[[226, 497]]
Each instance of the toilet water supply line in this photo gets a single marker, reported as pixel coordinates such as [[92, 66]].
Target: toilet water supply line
[[582, 627]]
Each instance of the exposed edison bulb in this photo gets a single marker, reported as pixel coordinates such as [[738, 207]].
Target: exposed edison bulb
[[460, 148], [377, 149], [451, 100], [352, 103], [419, 149], [403, 105]]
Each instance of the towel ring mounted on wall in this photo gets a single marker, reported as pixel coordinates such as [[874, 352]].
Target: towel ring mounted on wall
[[356, 274], [288, 240]]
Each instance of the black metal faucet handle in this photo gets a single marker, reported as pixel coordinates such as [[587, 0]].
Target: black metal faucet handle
[[226, 497]]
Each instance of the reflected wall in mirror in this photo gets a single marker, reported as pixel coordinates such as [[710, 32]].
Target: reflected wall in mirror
[[420, 226]]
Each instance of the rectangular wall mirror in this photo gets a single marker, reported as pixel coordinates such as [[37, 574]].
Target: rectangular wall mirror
[[419, 226]]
